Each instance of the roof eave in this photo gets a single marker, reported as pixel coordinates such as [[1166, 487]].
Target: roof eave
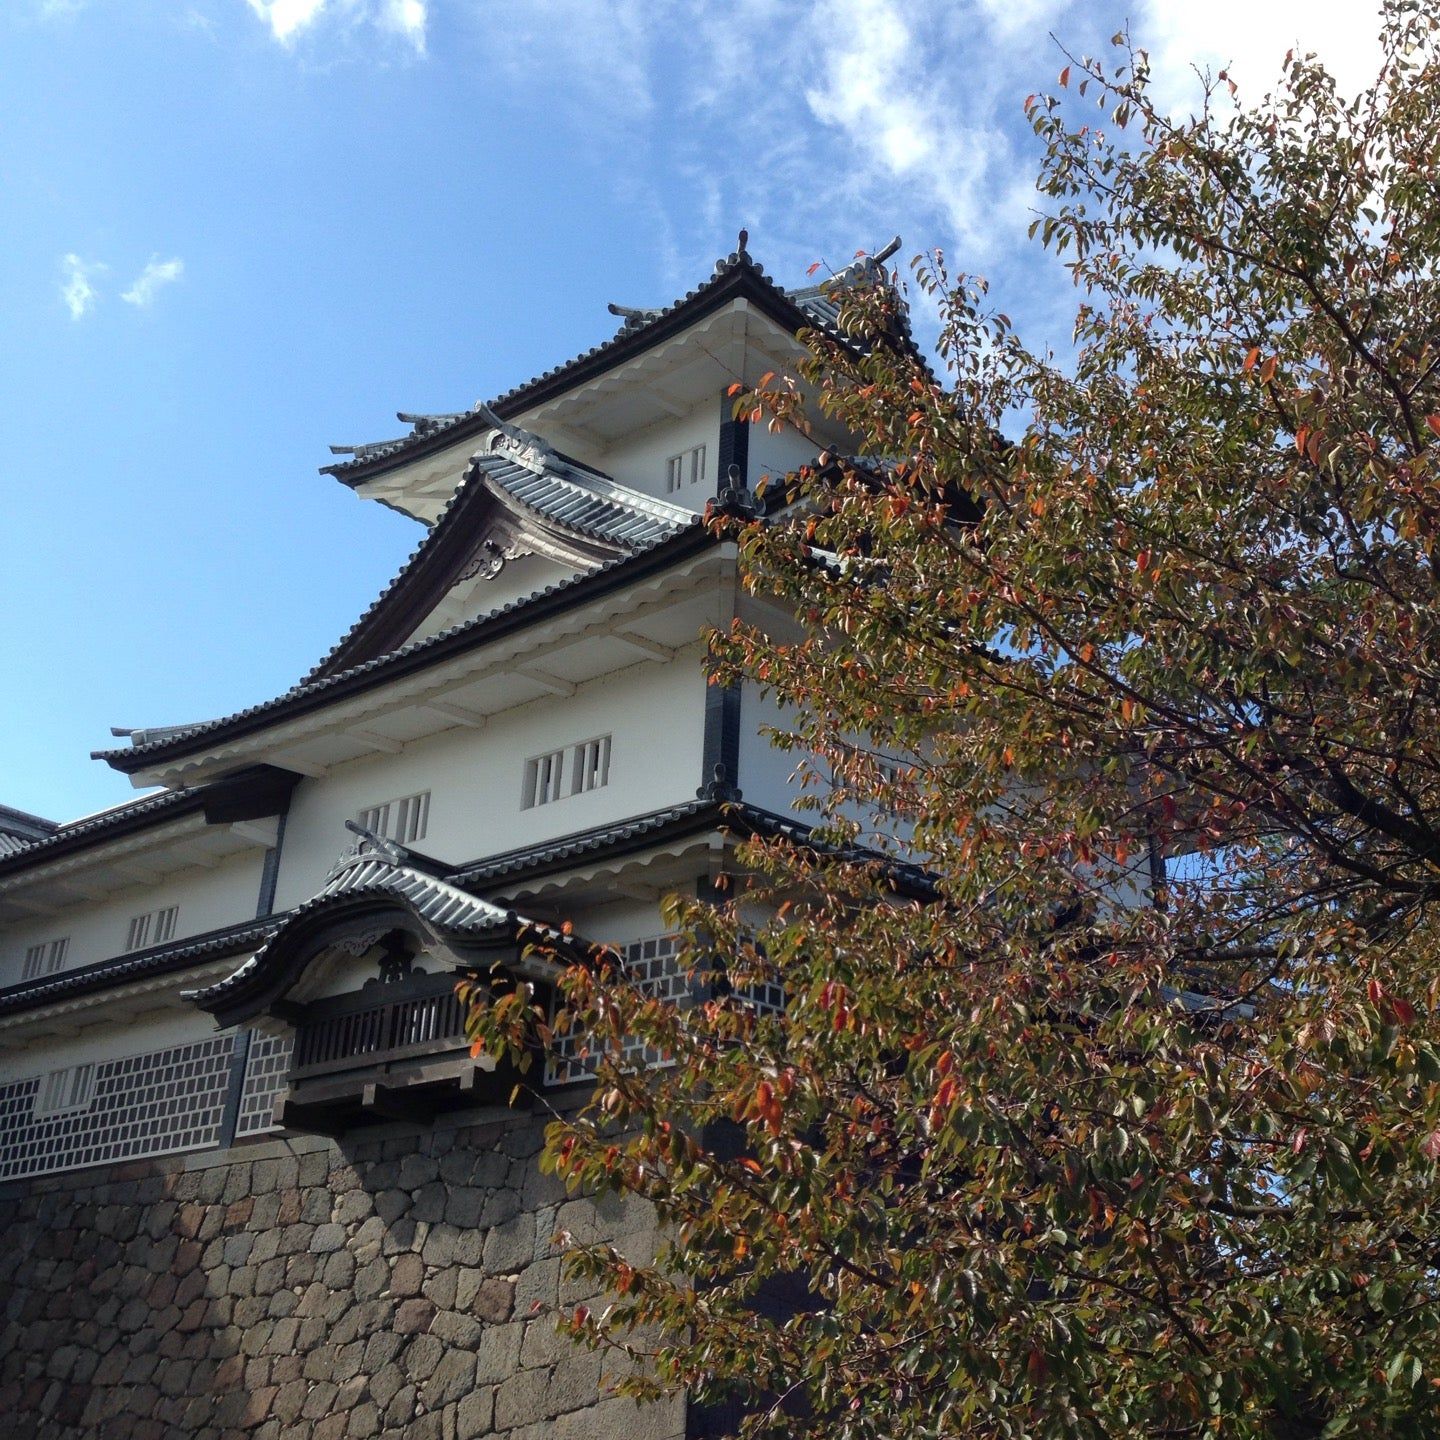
[[401, 663], [738, 282]]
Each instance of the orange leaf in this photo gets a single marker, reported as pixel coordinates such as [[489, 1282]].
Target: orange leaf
[[1267, 370], [1065, 77], [1252, 358], [1433, 421]]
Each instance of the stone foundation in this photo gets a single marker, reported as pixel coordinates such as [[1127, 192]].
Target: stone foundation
[[395, 1283]]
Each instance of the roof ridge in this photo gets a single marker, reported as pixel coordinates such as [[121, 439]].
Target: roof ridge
[[632, 326]]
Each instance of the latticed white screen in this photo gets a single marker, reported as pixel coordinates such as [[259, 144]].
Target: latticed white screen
[[404, 821], [542, 779], [654, 966], [150, 1104], [152, 928], [45, 958], [590, 765], [265, 1067]]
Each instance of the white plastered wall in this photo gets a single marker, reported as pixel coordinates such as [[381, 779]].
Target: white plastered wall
[[172, 1021], [654, 713], [207, 900], [518, 579], [777, 454], [639, 459]]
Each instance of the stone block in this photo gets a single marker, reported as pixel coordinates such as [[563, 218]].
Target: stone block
[[328, 1238], [407, 1276], [523, 1399], [475, 1415], [429, 1203], [498, 1353], [421, 1357], [414, 1316], [510, 1247]]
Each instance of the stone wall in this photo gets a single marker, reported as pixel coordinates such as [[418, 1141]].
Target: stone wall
[[402, 1282]]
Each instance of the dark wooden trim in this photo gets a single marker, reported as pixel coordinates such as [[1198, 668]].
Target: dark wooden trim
[[254, 793], [720, 749], [239, 1058], [270, 871], [734, 449]]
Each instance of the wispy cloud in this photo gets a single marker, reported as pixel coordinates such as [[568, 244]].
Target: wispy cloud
[[289, 19], [1251, 40], [286, 18], [77, 288], [151, 280]]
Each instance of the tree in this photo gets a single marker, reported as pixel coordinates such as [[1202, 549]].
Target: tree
[[1124, 1120]]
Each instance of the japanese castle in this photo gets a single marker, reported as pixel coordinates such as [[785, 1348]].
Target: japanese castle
[[252, 1180]]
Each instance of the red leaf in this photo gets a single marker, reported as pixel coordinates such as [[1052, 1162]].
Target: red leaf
[[1433, 421], [1065, 77], [1430, 1145], [1142, 562]]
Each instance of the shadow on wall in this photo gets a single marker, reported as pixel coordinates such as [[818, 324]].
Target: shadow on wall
[[402, 1282]]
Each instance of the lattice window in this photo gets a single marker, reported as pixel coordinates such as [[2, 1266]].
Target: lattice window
[[654, 966], [542, 779], [590, 765], [266, 1066], [45, 958], [686, 468], [63, 1090], [405, 820], [150, 1104], [155, 927]]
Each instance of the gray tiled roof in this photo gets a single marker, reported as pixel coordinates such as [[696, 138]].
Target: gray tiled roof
[[379, 869], [551, 486], [117, 817], [581, 499], [812, 305], [373, 671], [141, 965]]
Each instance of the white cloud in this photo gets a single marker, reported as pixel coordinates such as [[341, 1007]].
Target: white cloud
[[151, 280], [288, 19], [77, 289], [1250, 40], [910, 128], [406, 18]]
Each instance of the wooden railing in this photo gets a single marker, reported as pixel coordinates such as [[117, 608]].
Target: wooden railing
[[368, 1029]]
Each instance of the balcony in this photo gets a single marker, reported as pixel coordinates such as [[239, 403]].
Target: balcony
[[389, 1051]]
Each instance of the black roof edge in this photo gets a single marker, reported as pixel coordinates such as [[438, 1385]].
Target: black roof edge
[[22, 825], [127, 819], [141, 965], [655, 827], [250, 793], [736, 281], [406, 661]]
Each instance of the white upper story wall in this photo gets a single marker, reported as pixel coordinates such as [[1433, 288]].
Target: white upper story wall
[[778, 453], [653, 713], [520, 578], [642, 460], [204, 900]]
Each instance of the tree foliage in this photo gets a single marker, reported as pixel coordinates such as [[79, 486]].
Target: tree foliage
[[1057, 1144]]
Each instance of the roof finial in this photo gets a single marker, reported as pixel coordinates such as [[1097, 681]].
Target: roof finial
[[744, 241]]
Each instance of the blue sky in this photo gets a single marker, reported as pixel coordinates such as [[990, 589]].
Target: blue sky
[[238, 230]]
